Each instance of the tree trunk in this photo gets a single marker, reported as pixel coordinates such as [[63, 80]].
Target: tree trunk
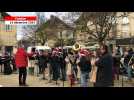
[[101, 43]]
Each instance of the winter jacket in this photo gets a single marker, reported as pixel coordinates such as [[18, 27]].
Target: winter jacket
[[43, 60], [21, 58], [104, 72], [84, 64], [116, 61]]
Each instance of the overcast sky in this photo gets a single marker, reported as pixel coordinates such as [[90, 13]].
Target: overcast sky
[[19, 27]]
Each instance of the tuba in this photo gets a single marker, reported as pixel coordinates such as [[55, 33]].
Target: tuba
[[76, 47]]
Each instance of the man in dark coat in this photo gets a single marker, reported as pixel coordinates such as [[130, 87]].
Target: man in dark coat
[[43, 59], [104, 72], [55, 64], [62, 64]]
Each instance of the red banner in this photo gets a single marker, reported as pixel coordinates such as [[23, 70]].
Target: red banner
[[20, 18]]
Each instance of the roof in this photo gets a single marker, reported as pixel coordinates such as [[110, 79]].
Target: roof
[[54, 24]]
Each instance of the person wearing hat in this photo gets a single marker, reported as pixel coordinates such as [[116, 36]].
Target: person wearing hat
[[70, 71], [55, 64], [73, 61], [85, 68]]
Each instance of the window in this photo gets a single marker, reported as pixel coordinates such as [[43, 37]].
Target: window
[[125, 28], [8, 28], [125, 31], [125, 20]]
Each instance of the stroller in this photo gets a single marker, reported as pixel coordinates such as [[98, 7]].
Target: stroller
[[6, 60]]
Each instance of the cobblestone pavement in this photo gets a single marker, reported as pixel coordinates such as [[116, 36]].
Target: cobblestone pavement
[[34, 81]]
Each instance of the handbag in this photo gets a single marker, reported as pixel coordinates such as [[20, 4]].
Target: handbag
[[93, 74]]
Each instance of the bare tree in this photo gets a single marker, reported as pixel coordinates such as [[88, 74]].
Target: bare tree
[[69, 18], [97, 24], [33, 32]]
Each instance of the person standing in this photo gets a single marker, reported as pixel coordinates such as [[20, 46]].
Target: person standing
[[55, 64], [69, 71], [93, 73], [50, 66], [127, 56], [13, 64], [75, 68], [43, 62], [7, 66], [62, 64], [104, 72], [116, 64], [85, 68], [36, 68], [73, 62], [13, 58], [21, 60]]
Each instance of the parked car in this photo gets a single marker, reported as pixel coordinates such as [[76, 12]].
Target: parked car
[[38, 48]]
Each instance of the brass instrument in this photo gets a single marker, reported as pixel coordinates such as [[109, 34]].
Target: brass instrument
[[76, 47]]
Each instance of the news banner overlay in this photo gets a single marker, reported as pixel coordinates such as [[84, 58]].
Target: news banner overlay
[[20, 20]]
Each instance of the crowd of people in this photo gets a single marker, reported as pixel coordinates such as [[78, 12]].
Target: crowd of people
[[99, 66]]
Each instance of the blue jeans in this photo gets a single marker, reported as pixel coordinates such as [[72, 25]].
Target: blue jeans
[[84, 79], [129, 70]]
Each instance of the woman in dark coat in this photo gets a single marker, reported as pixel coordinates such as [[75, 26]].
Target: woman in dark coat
[[104, 72]]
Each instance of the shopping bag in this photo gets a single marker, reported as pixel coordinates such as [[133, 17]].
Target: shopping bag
[[93, 74]]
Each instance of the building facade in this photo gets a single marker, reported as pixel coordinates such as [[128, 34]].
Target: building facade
[[8, 35], [125, 30]]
